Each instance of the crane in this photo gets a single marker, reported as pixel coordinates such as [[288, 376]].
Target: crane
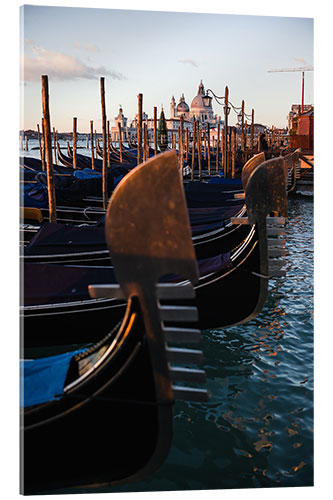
[[302, 69]]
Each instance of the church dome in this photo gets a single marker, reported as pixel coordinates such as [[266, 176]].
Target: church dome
[[182, 107], [197, 103]]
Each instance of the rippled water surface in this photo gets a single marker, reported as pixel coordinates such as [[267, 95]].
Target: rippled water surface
[[257, 428]]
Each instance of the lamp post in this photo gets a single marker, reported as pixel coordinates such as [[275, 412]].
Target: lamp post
[[240, 111]]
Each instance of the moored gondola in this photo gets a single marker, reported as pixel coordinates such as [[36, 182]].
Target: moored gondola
[[236, 279], [77, 408]]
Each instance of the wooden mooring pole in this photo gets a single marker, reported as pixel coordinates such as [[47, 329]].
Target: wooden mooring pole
[[74, 142], [199, 150], [40, 146], [48, 149], [108, 141], [233, 153], [187, 144], [181, 145], [217, 147], [43, 146], [54, 146], [193, 148], [144, 145], [242, 129], [104, 168], [120, 143], [155, 130], [225, 146], [208, 147], [92, 144], [252, 130], [139, 130]]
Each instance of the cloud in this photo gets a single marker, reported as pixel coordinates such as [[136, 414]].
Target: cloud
[[60, 66], [301, 60], [89, 47], [189, 61]]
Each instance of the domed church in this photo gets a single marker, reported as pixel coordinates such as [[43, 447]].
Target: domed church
[[204, 114]]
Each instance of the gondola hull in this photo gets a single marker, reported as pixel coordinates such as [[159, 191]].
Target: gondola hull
[[227, 296], [89, 435]]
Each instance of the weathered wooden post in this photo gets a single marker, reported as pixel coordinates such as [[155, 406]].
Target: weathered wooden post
[[242, 128], [108, 141], [208, 147], [155, 130], [43, 146], [217, 147], [147, 139], [74, 142], [144, 146], [233, 153], [120, 143], [252, 130], [54, 146], [199, 150], [193, 148], [181, 145], [92, 144], [139, 130], [40, 147], [48, 148], [187, 144], [26, 143], [104, 167], [204, 145], [225, 153]]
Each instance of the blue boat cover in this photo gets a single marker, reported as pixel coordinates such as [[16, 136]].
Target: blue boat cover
[[86, 173], [221, 180], [43, 379]]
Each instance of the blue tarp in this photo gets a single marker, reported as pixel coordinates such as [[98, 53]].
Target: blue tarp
[[86, 173], [36, 197], [222, 180], [43, 379]]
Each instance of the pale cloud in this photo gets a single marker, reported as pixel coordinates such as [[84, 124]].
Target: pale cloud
[[189, 61], [89, 47], [60, 66], [301, 60]]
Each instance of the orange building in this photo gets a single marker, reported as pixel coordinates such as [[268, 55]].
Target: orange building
[[301, 133]]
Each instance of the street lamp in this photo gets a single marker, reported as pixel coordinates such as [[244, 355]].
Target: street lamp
[[207, 99]]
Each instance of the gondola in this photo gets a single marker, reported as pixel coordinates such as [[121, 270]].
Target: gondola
[[77, 412], [212, 234], [232, 287]]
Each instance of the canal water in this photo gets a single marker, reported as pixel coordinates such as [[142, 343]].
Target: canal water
[[256, 431], [257, 428]]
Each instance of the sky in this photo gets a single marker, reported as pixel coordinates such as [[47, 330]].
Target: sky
[[159, 54]]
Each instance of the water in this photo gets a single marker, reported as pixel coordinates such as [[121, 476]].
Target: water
[[257, 428]]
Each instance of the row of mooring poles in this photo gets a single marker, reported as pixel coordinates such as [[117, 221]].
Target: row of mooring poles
[[45, 147]]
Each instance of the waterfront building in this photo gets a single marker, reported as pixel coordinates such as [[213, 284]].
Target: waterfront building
[[295, 111]]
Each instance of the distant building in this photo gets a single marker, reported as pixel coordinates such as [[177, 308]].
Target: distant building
[[301, 132], [295, 111], [197, 110]]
